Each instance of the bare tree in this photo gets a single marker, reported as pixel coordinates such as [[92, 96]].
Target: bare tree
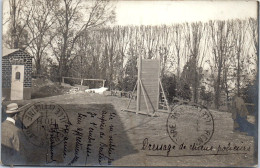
[[221, 47], [164, 46], [178, 45], [241, 48], [253, 35], [253, 30], [193, 38], [71, 24], [122, 40], [17, 35], [110, 54], [150, 40], [42, 18]]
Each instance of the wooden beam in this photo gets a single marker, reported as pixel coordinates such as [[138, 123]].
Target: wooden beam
[[159, 74], [131, 97], [138, 84], [164, 95], [164, 111], [70, 78], [81, 82], [95, 79], [249, 104], [102, 80], [139, 112], [144, 96]]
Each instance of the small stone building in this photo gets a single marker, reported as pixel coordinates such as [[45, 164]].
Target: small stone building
[[16, 74]]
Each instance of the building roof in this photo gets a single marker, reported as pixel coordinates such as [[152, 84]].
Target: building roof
[[8, 51]]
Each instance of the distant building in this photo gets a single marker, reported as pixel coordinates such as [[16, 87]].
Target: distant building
[[16, 74]]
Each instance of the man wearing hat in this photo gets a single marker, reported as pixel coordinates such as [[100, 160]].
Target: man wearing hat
[[239, 115], [10, 146]]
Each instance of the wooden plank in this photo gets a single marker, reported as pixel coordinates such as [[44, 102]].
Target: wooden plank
[[150, 68], [147, 69], [138, 84], [131, 97], [150, 84], [104, 83], [164, 95], [150, 80], [158, 93], [249, 104], [94, 79], [149, 75], [163, 111], [138, 112], [152, 88], [144, 96], [147, 63], [83, 79]]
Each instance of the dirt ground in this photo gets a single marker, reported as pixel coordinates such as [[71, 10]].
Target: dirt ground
[[131, 130]]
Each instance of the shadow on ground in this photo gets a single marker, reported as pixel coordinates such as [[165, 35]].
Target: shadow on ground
[[129, 132], [73, 134]]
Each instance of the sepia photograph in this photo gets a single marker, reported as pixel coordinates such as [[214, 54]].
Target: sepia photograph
[[129, 83]]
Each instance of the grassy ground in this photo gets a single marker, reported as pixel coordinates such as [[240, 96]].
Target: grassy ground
[[131, 130], [45, 88]]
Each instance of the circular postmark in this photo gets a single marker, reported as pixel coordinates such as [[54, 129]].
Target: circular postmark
[[45, 124], [190, 124]]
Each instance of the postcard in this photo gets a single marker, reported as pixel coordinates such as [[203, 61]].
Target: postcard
[[129, 83]]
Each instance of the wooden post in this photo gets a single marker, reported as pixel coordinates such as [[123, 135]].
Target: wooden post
[[138, 84], [131, 97], [147, 106], [159, 77], [168, 108], [81, 82], [104, 83]]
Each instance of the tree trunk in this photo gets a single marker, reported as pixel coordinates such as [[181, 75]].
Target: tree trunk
[[217, 91], [195, 89], [38, 67], [238, 73]]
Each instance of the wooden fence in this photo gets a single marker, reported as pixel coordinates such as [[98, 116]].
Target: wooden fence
[[82, 80]]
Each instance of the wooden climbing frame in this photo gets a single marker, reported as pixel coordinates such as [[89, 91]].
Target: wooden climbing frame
[[148, 87]]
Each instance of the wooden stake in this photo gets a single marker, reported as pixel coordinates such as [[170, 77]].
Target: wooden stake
[[104, 83], [138, 84], [81, 82], [158, 96], [164, 96], [144, 97], [131, 97]]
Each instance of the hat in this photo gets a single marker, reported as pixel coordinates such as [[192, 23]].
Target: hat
[[12, 108]]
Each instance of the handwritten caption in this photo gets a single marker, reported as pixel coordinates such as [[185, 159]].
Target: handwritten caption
[[88, 139], [194, 150]]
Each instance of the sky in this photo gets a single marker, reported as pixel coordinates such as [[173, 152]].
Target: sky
[[169, 12], [155, 12]]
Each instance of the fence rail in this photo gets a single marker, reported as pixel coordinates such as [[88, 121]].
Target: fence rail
[[82, 80]]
